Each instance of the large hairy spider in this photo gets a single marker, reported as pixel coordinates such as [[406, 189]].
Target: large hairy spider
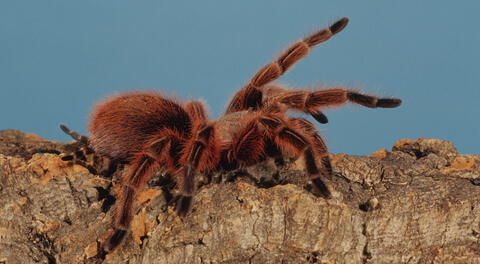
[[150, 132]]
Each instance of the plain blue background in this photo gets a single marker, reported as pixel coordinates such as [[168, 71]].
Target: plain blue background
[[57, 58]]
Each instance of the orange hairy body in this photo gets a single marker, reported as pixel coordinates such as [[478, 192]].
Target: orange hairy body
[[121, 125]]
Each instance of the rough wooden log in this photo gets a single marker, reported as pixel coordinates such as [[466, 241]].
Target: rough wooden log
[[418, 203]]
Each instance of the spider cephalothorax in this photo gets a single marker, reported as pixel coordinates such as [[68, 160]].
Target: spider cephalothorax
[[150, 132]]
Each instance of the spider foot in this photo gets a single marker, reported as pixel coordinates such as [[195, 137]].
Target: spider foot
[[319, 116], [321, 188], [183, 205], [372, 101], [114, 240]]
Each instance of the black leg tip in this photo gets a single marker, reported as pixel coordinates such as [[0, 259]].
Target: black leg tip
[[389, 102], [183, 205], [64, 128], [114, 240], [67, 158], [339, 25], [361, 99], [327, 165], [322, 188], [320, 117]]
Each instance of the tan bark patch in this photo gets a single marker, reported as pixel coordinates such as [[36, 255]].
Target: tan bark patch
[[140, 227], [336, 158], [91, 250], [47, 166], [49, 226], [379, 154], [460, 163], [401, 142], [145, 196]]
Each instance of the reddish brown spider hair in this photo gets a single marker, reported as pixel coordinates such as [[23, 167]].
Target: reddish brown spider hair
[[150, 131]]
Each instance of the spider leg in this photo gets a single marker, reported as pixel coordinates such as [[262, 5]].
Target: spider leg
[[81, 140], [200, 153], [290, 138], [155, 154], [318, 142], [251, 95], [318, 115], [81, 150], [77, 137], [310, 101], [139, 173], [248, 146], [275, 95], [273, 106], [196, 110], [338, 96]]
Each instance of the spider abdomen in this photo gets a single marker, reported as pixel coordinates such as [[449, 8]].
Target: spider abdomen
[[121, 125]]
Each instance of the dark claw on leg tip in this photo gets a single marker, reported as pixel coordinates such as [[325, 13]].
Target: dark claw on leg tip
[[320, 185], [388, 102], [183, 205], [339, 25], [320, 117], [114, 240], [67, 158]]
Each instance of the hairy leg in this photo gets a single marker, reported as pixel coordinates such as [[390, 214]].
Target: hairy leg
[[251, 95], [140, 171], [81, 153], [80, 138], [196, 110], [310, 101], [142, 167], [248, 146], [290, 138], [275, 94], [201, 153], [338, 96], [319, 145]]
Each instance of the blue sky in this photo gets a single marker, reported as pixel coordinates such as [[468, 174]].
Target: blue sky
[[58, 58]]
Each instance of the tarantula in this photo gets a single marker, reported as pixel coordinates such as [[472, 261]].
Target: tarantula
[[149, 131]]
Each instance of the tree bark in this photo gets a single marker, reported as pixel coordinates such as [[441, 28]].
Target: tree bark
[[418, 203]]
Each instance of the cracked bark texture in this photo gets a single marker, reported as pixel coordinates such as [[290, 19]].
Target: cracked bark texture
[[418, 203]]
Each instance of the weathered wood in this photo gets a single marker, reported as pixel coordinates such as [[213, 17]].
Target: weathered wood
[[416, 204]]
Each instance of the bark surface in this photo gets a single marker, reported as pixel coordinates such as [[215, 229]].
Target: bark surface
[[418, 203]]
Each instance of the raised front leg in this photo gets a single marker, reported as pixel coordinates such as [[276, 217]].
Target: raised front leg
[[251, 95]]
